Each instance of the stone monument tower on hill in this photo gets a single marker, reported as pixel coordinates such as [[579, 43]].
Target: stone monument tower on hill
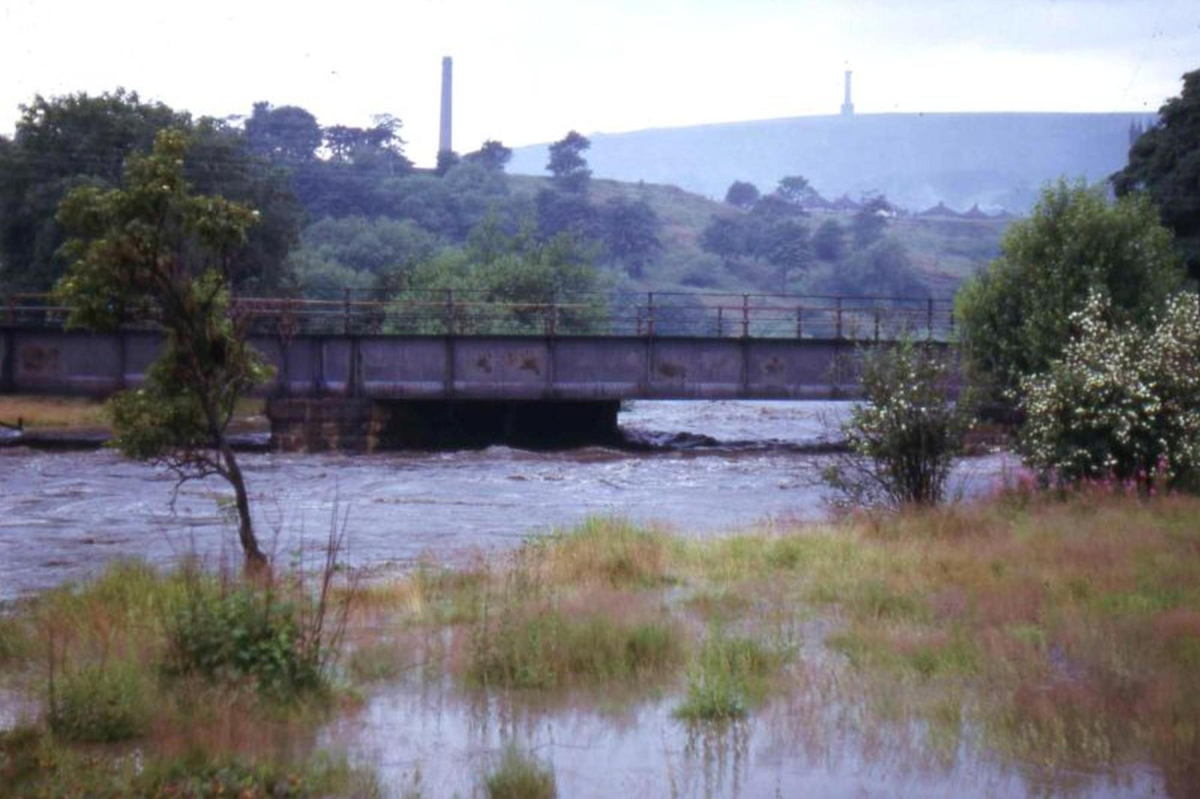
[[847, 106]]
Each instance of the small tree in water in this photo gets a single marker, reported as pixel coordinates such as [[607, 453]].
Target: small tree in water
[[152, 248], [903, 440]]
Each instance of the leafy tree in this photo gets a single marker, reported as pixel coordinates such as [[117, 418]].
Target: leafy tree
[[1016, 315], [1121, 402], [725, 237], [869, 222], [903, 440], [219, 163], [358, 251], [884, 269], [796, 190], [789, 249], [446, 160], [61, 143], [565, 212], [154, 247], [74, 140], [521, 275], [829, 241], [567, 165], [287, 135], [1165, 162], [492, 155], [630, 232], [742, 194]]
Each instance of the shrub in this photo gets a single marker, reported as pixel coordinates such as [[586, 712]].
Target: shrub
[[246, 632], [902, 443], [1121, 403], [100, 703], [519, 776], [1014, 315]]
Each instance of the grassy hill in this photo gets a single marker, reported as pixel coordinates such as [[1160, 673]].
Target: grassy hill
[[993, 160], [943, 250]]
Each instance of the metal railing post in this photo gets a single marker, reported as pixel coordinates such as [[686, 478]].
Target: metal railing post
[[650, 314], [838, 319], [449, 312], [876, 325], [929, 318], [799, 321], [720, 321], [346, 311], [745, 315]]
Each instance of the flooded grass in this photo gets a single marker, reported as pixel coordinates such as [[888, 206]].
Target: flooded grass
[[1051, 639], [519, 776]]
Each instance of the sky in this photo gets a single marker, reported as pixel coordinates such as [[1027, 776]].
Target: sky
[[529, 71]]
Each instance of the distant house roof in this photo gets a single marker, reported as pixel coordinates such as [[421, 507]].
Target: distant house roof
[[975, 213], [941, 209]]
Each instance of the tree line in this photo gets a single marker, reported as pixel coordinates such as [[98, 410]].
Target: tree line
[[339, 206]]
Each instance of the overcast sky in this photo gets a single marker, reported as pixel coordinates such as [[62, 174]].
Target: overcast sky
[[528, 71]]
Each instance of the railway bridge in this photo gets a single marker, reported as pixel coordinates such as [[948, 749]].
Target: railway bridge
[[435, 369]]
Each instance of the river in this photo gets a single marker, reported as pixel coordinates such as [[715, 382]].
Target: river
[[702, 468], [705, 467]]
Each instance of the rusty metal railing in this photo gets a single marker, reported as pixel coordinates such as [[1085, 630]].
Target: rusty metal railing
[[464, 312]]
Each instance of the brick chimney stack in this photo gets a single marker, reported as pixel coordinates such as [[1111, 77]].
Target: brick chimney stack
[[444, 134]]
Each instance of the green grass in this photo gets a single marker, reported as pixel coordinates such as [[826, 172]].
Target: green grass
[[519, 776], [33, 764], [101, 703], [728, 676], [549, 648]]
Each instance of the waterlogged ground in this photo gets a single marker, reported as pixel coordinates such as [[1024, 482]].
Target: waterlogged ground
[[439, 740], [711, 467], [824, 728]]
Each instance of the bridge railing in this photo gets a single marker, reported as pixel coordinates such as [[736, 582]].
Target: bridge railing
[[466, 312]]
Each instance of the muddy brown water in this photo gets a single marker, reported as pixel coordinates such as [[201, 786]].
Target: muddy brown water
[[703, 468], [700, 468]]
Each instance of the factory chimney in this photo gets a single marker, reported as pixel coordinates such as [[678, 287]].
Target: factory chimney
[[847, 106], [444, 136]]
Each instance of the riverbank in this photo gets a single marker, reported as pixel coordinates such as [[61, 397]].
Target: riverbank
[[69, 424], [1022, 645]]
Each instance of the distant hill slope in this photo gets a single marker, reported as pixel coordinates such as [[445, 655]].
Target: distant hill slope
[[998, 161], [943, 250]]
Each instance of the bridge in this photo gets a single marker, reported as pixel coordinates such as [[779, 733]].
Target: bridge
[[454, 368]]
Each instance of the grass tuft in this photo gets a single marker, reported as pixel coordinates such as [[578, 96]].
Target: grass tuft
[[548, 648], [729, 675], [520, 776]]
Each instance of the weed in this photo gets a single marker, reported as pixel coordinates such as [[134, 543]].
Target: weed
[[375, 662], [546, 648], [243, 632], [101, 703], [604, 551], [519, 776], [728, 676]]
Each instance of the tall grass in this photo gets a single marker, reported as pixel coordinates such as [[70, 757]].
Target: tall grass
[[519, 776]]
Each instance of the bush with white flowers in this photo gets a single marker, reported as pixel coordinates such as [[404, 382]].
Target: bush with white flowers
[[1122, 403], [903, 441]]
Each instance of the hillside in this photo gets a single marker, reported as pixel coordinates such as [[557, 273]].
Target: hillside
[[943, 250], [998, 161]]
